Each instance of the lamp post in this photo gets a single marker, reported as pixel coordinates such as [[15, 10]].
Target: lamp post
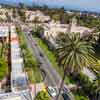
[[9, 61]]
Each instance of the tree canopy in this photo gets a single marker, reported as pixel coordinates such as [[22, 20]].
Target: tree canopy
[[73, 52], [3, 68], [42, 96]]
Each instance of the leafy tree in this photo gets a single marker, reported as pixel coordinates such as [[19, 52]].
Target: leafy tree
[[22, 6], [91, 88], [29, 61], [2, 48], [38, 31], [73, 54], [18, 29], [56, 17], [14, 12], [42, 96], [8, 17], [96, 90], [3, 68], [36, 21], [21, 13]]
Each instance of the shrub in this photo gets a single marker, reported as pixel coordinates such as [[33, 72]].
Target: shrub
[[89, 87], [42, 96]]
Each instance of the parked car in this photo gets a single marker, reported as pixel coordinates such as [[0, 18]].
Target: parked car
[[65, 96], [52, 91]]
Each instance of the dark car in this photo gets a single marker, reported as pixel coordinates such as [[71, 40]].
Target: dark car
[[41, 54], [65, 96]]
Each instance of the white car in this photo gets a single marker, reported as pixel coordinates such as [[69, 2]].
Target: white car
[[52, 91]]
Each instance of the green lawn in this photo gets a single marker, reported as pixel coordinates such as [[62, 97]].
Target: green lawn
[[32, 69]]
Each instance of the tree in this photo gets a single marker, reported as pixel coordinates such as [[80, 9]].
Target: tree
[[38, 31], [21, 13], [36, 20], [22, 6], [3, 68], [56, 17], [2, 48], [73, 54], [97, 90], [8, 17], [93, 38], [42, 96], [14, 12]]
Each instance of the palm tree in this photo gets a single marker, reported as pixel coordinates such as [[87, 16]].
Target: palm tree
[[73, 54]]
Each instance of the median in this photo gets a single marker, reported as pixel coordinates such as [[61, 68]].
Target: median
[[30, 63]]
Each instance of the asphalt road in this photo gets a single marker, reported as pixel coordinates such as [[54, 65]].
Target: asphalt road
[[52, 77]]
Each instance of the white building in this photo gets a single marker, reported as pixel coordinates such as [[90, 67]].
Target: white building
[[51, 30], [79, 29], [3, 12], [4, 30], [31, 15]]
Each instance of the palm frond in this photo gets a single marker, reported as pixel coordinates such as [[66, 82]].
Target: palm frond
[[74, 52]]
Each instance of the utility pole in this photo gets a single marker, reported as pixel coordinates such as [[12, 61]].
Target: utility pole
[[9, 61]]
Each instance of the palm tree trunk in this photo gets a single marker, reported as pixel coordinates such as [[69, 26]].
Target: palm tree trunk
[[61, 85], [97, 96]]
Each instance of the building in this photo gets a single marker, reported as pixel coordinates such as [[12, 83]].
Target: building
[[4, 30], [31, 15], [4, 12], [52, 29], [79, 29]]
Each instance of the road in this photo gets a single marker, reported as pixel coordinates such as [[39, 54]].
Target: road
[[52, 77]]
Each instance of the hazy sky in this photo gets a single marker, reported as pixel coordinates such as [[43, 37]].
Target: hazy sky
[[93, 5]]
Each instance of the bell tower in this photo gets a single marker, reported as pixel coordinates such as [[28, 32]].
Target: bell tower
[[72, 24]]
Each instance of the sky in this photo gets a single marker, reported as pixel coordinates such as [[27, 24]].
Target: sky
[[89, 5]]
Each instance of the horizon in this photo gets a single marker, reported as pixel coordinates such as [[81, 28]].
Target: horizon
[[82, 5]]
